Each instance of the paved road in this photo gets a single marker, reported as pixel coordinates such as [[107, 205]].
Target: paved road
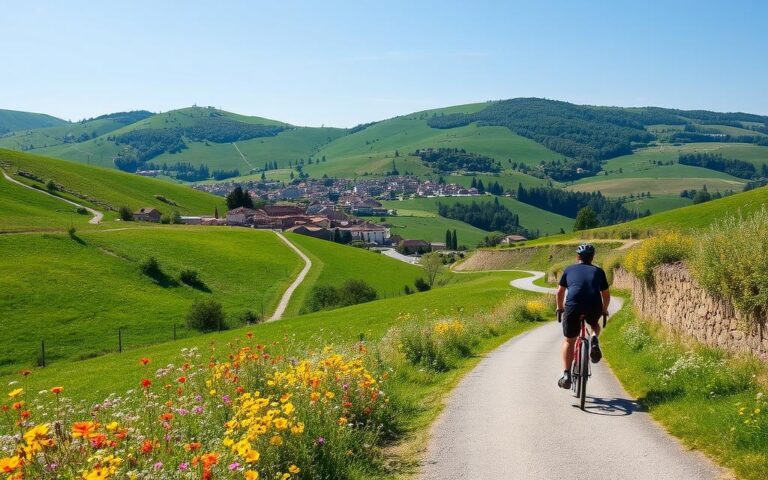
[[507, 419], [286, 298], [97, 215], [392, 253]]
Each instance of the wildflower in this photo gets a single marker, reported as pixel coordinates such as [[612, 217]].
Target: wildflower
[[276, 440], [83, 429], [233, 466], [182, 379], [294, 469], [10, 464], [158, 466], [57, 390], [184, 466], [251, 475], [15, 393], [25, 372], [146, 383], [144, 361], [146, 446]]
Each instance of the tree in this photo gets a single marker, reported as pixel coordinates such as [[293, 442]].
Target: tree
[[216, 212], [263, 176], [454, 241], [206, 315], [585, 219], [239, 198], [480, 186], [448, 240], [125, 214], [356, 291], [433, 266]]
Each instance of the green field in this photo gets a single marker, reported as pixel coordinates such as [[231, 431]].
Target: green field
[[509, 179], [531, 217], [332, 264], [107, 188], [93, 379], [76, 294], [657, 186], [58, 135], [422, 225], [14, 120], [641, 159], [658, 204], [22, 209]]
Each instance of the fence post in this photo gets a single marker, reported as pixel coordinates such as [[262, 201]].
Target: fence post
[[120, 340], [42, 349]]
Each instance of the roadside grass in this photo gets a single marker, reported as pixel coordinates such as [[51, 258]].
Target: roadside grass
[[532, 218], [332, 264], [543, 258], [93, 379], [75, 295], [23, 210], [111, 186], [713, 402]]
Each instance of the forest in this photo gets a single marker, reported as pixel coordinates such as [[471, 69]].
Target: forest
[[455, 159], [567, 203], [489, 216], [715, 161]]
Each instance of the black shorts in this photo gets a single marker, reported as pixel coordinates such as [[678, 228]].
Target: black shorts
[[572, 313]]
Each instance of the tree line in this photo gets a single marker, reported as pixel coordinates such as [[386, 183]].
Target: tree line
[[454, 159], [489, 216], [608, 211], [715, 161]]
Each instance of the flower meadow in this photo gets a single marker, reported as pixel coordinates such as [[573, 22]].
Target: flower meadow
[[252, 411]]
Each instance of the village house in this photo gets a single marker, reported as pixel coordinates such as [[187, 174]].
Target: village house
[[510, 239], [147, 214], [409, 247], [239, 215]]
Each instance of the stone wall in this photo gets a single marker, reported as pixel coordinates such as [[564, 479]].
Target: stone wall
[[677, 301]]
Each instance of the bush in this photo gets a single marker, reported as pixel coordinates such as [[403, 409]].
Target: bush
[[81, 211], [165, 219], [352, 292], [407, 290], [421, 285], [249, 318], [51, 186], [667, 247], [206, 315], [356, 291], [732, 262], [151, 267], [72, 232], [322, 297], [189, 276], [125, 214]]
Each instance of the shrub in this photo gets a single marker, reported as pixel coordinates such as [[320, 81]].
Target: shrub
[[669, 247], [81, 211], [407, 290], [356, 291], [189, 276], [206, 315], [165, 219], [421, 285], [72, 232], [125, 214], [322, 297], [249, 318], [51, 185], [732, 261], [151, 267]]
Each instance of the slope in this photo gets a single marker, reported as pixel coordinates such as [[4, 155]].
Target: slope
[[107, 189], [13, 120]]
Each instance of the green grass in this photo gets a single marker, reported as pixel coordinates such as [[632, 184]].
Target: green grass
[[657, 185], [423, 225], [22, 209], [13, 120], [509, 179], [658, 204], [57, 135], [540, 258], [531, 217], [641, 159], [694, 392], [332, 264], [93, 379], [76, 295], [111, 187]]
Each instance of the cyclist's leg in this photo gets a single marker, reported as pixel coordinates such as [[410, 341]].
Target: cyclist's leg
[[571, 327], [593, 320]]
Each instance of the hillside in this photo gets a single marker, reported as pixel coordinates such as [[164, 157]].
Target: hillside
[[13, 120], [106, 189]]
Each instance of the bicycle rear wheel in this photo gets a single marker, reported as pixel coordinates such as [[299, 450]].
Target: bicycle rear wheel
[[583, 371]]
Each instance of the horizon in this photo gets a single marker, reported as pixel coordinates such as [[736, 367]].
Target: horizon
[[341, 65]]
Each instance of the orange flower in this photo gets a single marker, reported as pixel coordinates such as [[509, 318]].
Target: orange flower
[[84, 429], [24, 373], [182, 379], [146, 446], [144, 361], [57, 390], [146, 383], [166, 417], [192, 446]]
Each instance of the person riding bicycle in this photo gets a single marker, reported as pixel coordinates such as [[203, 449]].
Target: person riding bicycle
[[588, 296]]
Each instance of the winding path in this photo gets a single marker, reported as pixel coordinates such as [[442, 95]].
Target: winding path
[[507, 419], [286, 298], [97, 215]]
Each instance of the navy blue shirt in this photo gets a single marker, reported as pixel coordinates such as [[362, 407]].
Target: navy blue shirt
[[584, 283]]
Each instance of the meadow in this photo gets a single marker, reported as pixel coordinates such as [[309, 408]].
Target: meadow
[[423, 225]]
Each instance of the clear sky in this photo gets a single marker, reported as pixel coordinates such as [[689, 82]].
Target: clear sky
[[340, 63]]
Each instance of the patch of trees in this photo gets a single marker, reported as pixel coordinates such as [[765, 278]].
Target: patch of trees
[[691, 137], [575, 131], [223, 130], [360, 127], [703, 195], [490, 216], [126, 118], [147, 143], [352, 292], [567, 203], [715, 161], [453, 159], [239, 198], [451, 240], [224, 174], [566, 169]]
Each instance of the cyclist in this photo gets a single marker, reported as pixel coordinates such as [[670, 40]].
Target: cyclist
[[588, 296]]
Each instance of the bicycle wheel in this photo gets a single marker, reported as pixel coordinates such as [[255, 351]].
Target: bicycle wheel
[[575, 369], [584, 371]]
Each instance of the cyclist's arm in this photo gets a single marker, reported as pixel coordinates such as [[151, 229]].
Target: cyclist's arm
[[606, 294], [560, 297]]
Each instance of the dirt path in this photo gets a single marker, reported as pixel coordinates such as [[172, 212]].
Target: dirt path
[[508, 419], [97, 215], [242, 156], [286, 298]]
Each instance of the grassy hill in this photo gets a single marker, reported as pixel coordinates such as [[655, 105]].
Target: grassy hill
[[107, 189], [13, 120]]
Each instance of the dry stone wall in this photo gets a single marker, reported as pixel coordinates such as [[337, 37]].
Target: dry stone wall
[[677, 301]]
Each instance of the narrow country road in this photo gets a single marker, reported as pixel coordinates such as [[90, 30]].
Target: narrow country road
[[507, 419], [97, 215], [286, 298]]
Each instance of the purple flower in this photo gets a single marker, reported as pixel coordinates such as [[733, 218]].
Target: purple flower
[[158, 466], [182, 411], [197, 410], [226, 400], [184, 467], [233, 466], [320, 440]]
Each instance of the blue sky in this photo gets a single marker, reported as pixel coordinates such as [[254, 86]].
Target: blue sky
[[345, 62]]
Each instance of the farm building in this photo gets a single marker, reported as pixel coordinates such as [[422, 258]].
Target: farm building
[[147, 214]]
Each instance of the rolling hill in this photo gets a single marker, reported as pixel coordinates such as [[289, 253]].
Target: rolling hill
[[13, 120]]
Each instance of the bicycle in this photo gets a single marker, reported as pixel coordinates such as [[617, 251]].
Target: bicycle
[[580, 363]]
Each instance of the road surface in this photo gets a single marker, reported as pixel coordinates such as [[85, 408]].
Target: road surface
[[286, 298], [507, 419], [97, 215]]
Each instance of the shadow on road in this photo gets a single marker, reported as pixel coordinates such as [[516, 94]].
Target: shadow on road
[[612, 407]]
